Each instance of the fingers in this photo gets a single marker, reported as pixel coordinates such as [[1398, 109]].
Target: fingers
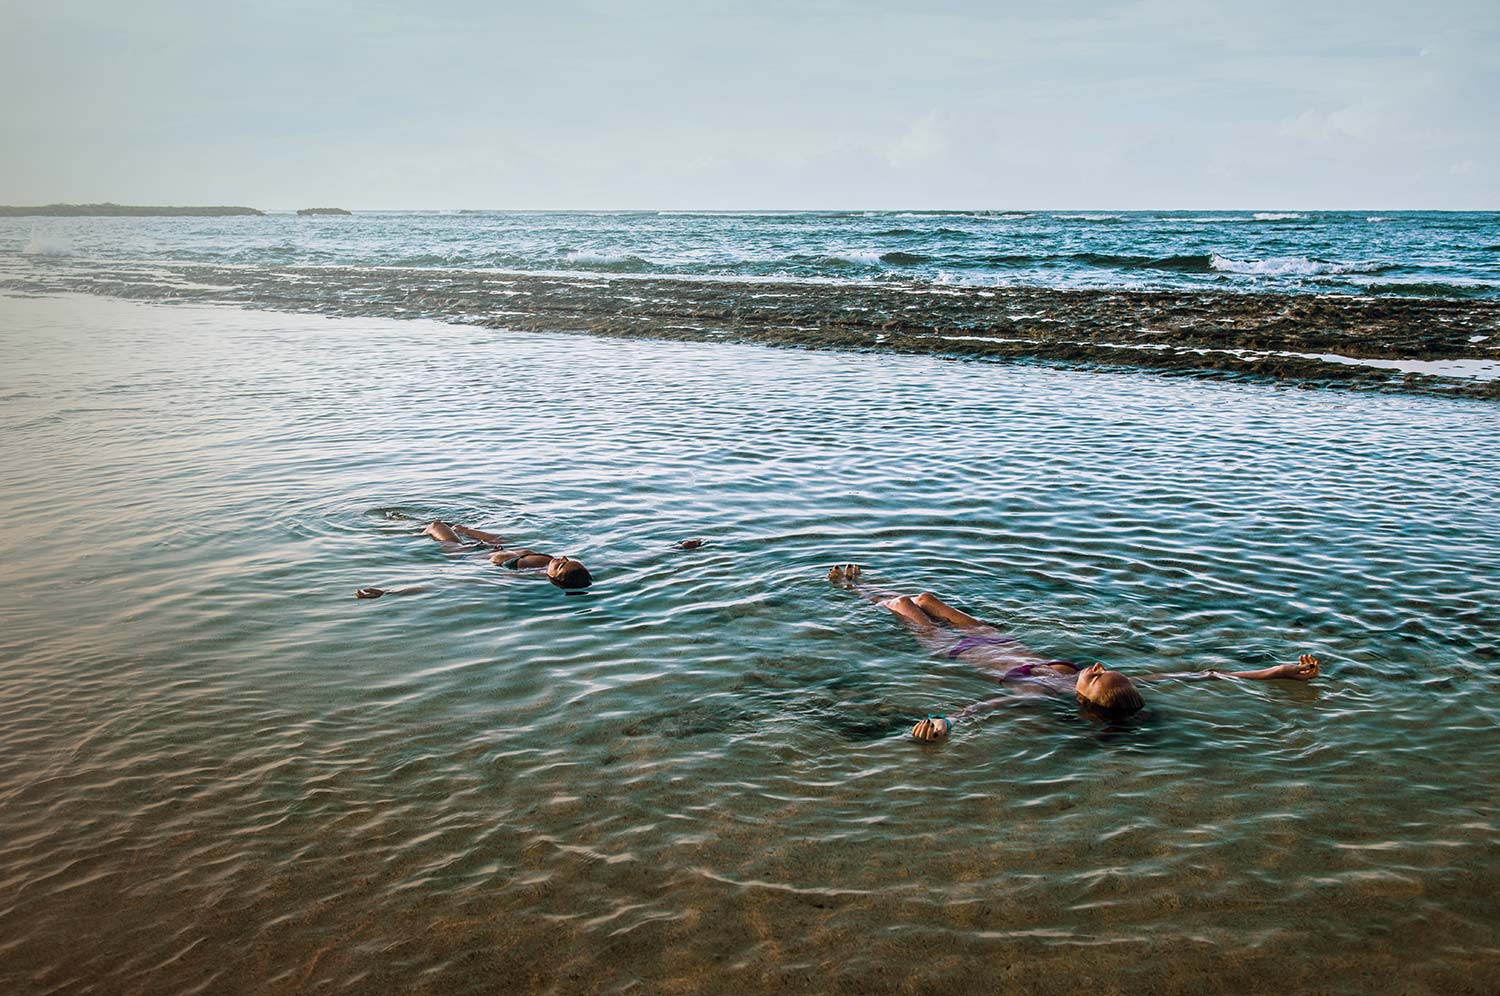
[[1306, 667]]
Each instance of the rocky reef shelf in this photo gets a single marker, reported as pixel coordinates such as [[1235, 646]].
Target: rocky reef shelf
[[1305, 340]]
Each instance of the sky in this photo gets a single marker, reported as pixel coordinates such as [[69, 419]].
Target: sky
[[559, 104]]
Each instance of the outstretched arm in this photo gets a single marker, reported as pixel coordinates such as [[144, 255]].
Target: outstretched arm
[[377, 592], [938, 727], [1305, 669]]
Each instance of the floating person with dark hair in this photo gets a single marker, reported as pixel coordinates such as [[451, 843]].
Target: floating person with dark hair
[[955, 634], [565, 572]]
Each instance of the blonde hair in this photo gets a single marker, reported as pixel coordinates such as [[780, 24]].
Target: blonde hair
[[1115, 694]]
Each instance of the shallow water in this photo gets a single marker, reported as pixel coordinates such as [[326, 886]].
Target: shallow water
[[219, 772]]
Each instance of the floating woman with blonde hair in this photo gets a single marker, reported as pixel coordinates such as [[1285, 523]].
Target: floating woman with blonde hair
[[953, 633]]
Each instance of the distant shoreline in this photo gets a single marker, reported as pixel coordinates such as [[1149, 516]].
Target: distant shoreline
[[108, 210]]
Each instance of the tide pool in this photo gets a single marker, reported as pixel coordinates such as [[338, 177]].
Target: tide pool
[[220, 772]]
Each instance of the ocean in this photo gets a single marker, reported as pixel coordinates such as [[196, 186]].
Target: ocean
[[1434, 254], [220, 772]]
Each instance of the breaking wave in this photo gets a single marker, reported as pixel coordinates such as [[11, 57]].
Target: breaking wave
[[608, 262], [40, 245], [1294, 252], [1289, 266]]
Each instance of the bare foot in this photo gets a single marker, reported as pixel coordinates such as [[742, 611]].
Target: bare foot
[[932, 728], [845, 575]]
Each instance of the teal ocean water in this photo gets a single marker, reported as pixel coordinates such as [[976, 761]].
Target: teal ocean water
[[219, 772], [1404, 253]]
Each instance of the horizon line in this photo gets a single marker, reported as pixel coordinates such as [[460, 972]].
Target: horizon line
[[777, 210]]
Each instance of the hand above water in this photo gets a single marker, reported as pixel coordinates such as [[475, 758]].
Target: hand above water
[[1305, 669]]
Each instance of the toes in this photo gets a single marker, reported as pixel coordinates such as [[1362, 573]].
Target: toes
[[930, 729]]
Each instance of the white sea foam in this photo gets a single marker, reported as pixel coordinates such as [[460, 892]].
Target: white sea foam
[[43, 245], [1278, 216], [586, 256], [866, 257], [1281, 266], [1377, 218], [1474, 369], [1452, 281], [1087, 217], [725, 214]]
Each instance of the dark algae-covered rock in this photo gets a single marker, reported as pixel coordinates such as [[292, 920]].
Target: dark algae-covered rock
[[1301, 339]]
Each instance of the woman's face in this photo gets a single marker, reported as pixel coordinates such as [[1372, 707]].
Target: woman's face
[[566, 573], [1095, 682], [1088, 680]]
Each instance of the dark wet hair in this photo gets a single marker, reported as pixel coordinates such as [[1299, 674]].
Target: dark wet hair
[[569, 574]]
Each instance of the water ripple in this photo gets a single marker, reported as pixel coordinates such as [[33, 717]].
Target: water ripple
[[698, 771]]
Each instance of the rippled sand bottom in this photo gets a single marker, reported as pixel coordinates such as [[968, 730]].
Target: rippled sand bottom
[[221, 773]]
